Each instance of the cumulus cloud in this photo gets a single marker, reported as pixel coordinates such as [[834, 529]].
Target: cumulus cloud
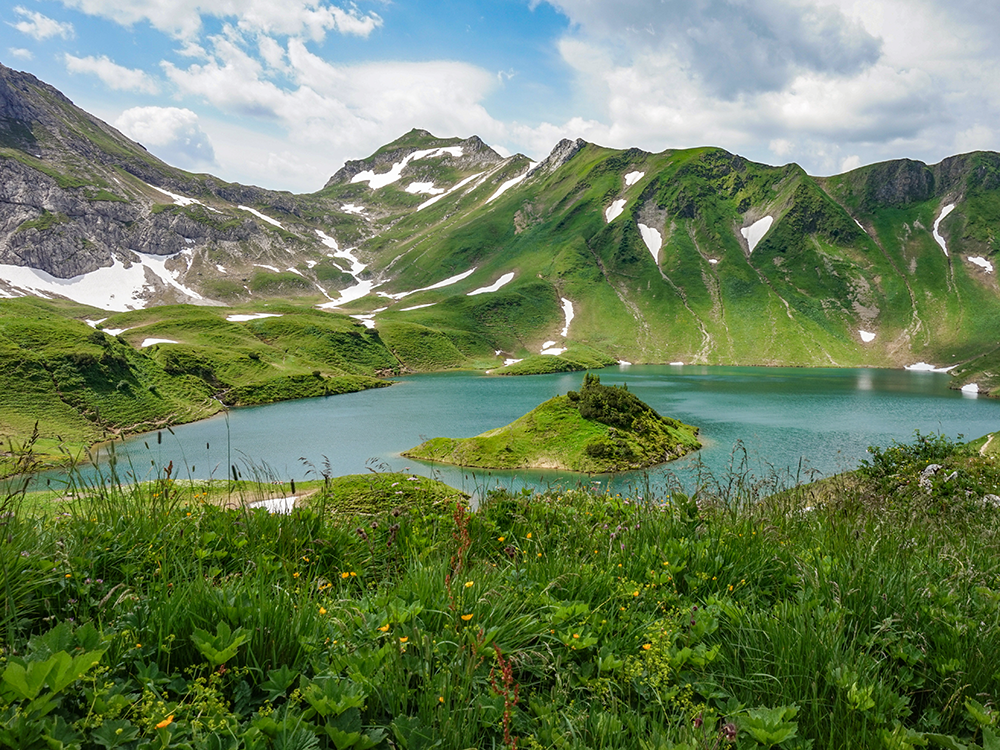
[[336, 111], [40, 27], [20, 53], [183, 18], [114, 76], [171, 133]]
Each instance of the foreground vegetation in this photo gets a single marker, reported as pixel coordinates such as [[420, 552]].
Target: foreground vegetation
[[600, 429], [860, 612]]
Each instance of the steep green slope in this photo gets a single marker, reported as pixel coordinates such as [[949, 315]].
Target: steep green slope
[[599, 429]]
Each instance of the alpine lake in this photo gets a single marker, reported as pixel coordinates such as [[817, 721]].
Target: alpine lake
[[784, 424]]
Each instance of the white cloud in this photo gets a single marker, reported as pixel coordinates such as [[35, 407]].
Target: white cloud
[[183, 18], [171, 133], [20, 53], [114, 76], [41, 27], [851, 162], [332, 113], [824, 82]]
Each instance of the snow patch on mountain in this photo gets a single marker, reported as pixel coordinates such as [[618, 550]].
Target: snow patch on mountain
[[243, 317], [150, 342], [350, 208], [937, 224], [511, 183], [613, 211], [505, 279], [866, 336], [362, 287], [567, 307], [446, 282], [982, 262], [376, 181], [114, 288], [261, 216], [970, 388], [756, 231], [633, 177], [426, 188], [653, 240], [924, 367], [459, 186]]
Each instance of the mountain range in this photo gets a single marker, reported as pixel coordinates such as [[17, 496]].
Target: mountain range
[[447, 254]]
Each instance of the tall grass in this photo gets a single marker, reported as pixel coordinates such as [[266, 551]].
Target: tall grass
[[860, 611]]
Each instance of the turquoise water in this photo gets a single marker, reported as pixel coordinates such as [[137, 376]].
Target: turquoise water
[[795, 421]]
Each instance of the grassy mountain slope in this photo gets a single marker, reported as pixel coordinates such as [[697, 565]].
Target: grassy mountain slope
[[82, 385]]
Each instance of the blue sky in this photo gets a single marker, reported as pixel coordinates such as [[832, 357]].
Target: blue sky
[[281, 94]]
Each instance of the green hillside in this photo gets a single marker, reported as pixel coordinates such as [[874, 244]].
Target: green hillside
[[599, 429], [82, 385]]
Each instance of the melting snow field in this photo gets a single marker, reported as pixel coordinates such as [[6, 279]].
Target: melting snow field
[[114, 288], [970, 388], [447, 282], [261, 216], [924, 367], [937, 224], [756, 231], [424, 187], [505, 279], [376, 181], [281, 505], [866, 336], [633, 177], [459, 186], [613, 211], [653, 240], [512, 182], [150, 342], [418, 307], [350, 208], [251, 316], [568, 314], [359, 290], [981, 262]]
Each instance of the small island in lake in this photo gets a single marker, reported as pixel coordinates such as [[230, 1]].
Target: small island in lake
[[600, 429]]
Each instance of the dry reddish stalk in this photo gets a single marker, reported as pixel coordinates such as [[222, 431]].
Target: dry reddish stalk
[[504, 689]]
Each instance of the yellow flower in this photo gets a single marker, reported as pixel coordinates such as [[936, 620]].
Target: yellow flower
[[576, 635], [138, 645], [440, 699], [295, 574], [539, 554], [322, 610], [646, 646], [467, 617], [166, 722], [501, 538], [529, 535], [403, 639], [345, 575], [635, 593], [354, 574], [385, 628], [469, 584], [69, 575]]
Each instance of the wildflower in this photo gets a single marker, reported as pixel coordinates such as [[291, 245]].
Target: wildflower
[[730, 587], [322, 610], [69, 575], [440, 699], [539, 554], [467, 617], [576, 635], [529, 535], [469, 584], [729, 732], [354, 574], [501, 538], [635, 593], [345, 574], [138, 645], [166, 722], [295, 574], [403, 639], [646, 646], [385, 628]]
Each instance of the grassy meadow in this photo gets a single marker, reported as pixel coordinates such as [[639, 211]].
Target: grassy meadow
[[862, 611]]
